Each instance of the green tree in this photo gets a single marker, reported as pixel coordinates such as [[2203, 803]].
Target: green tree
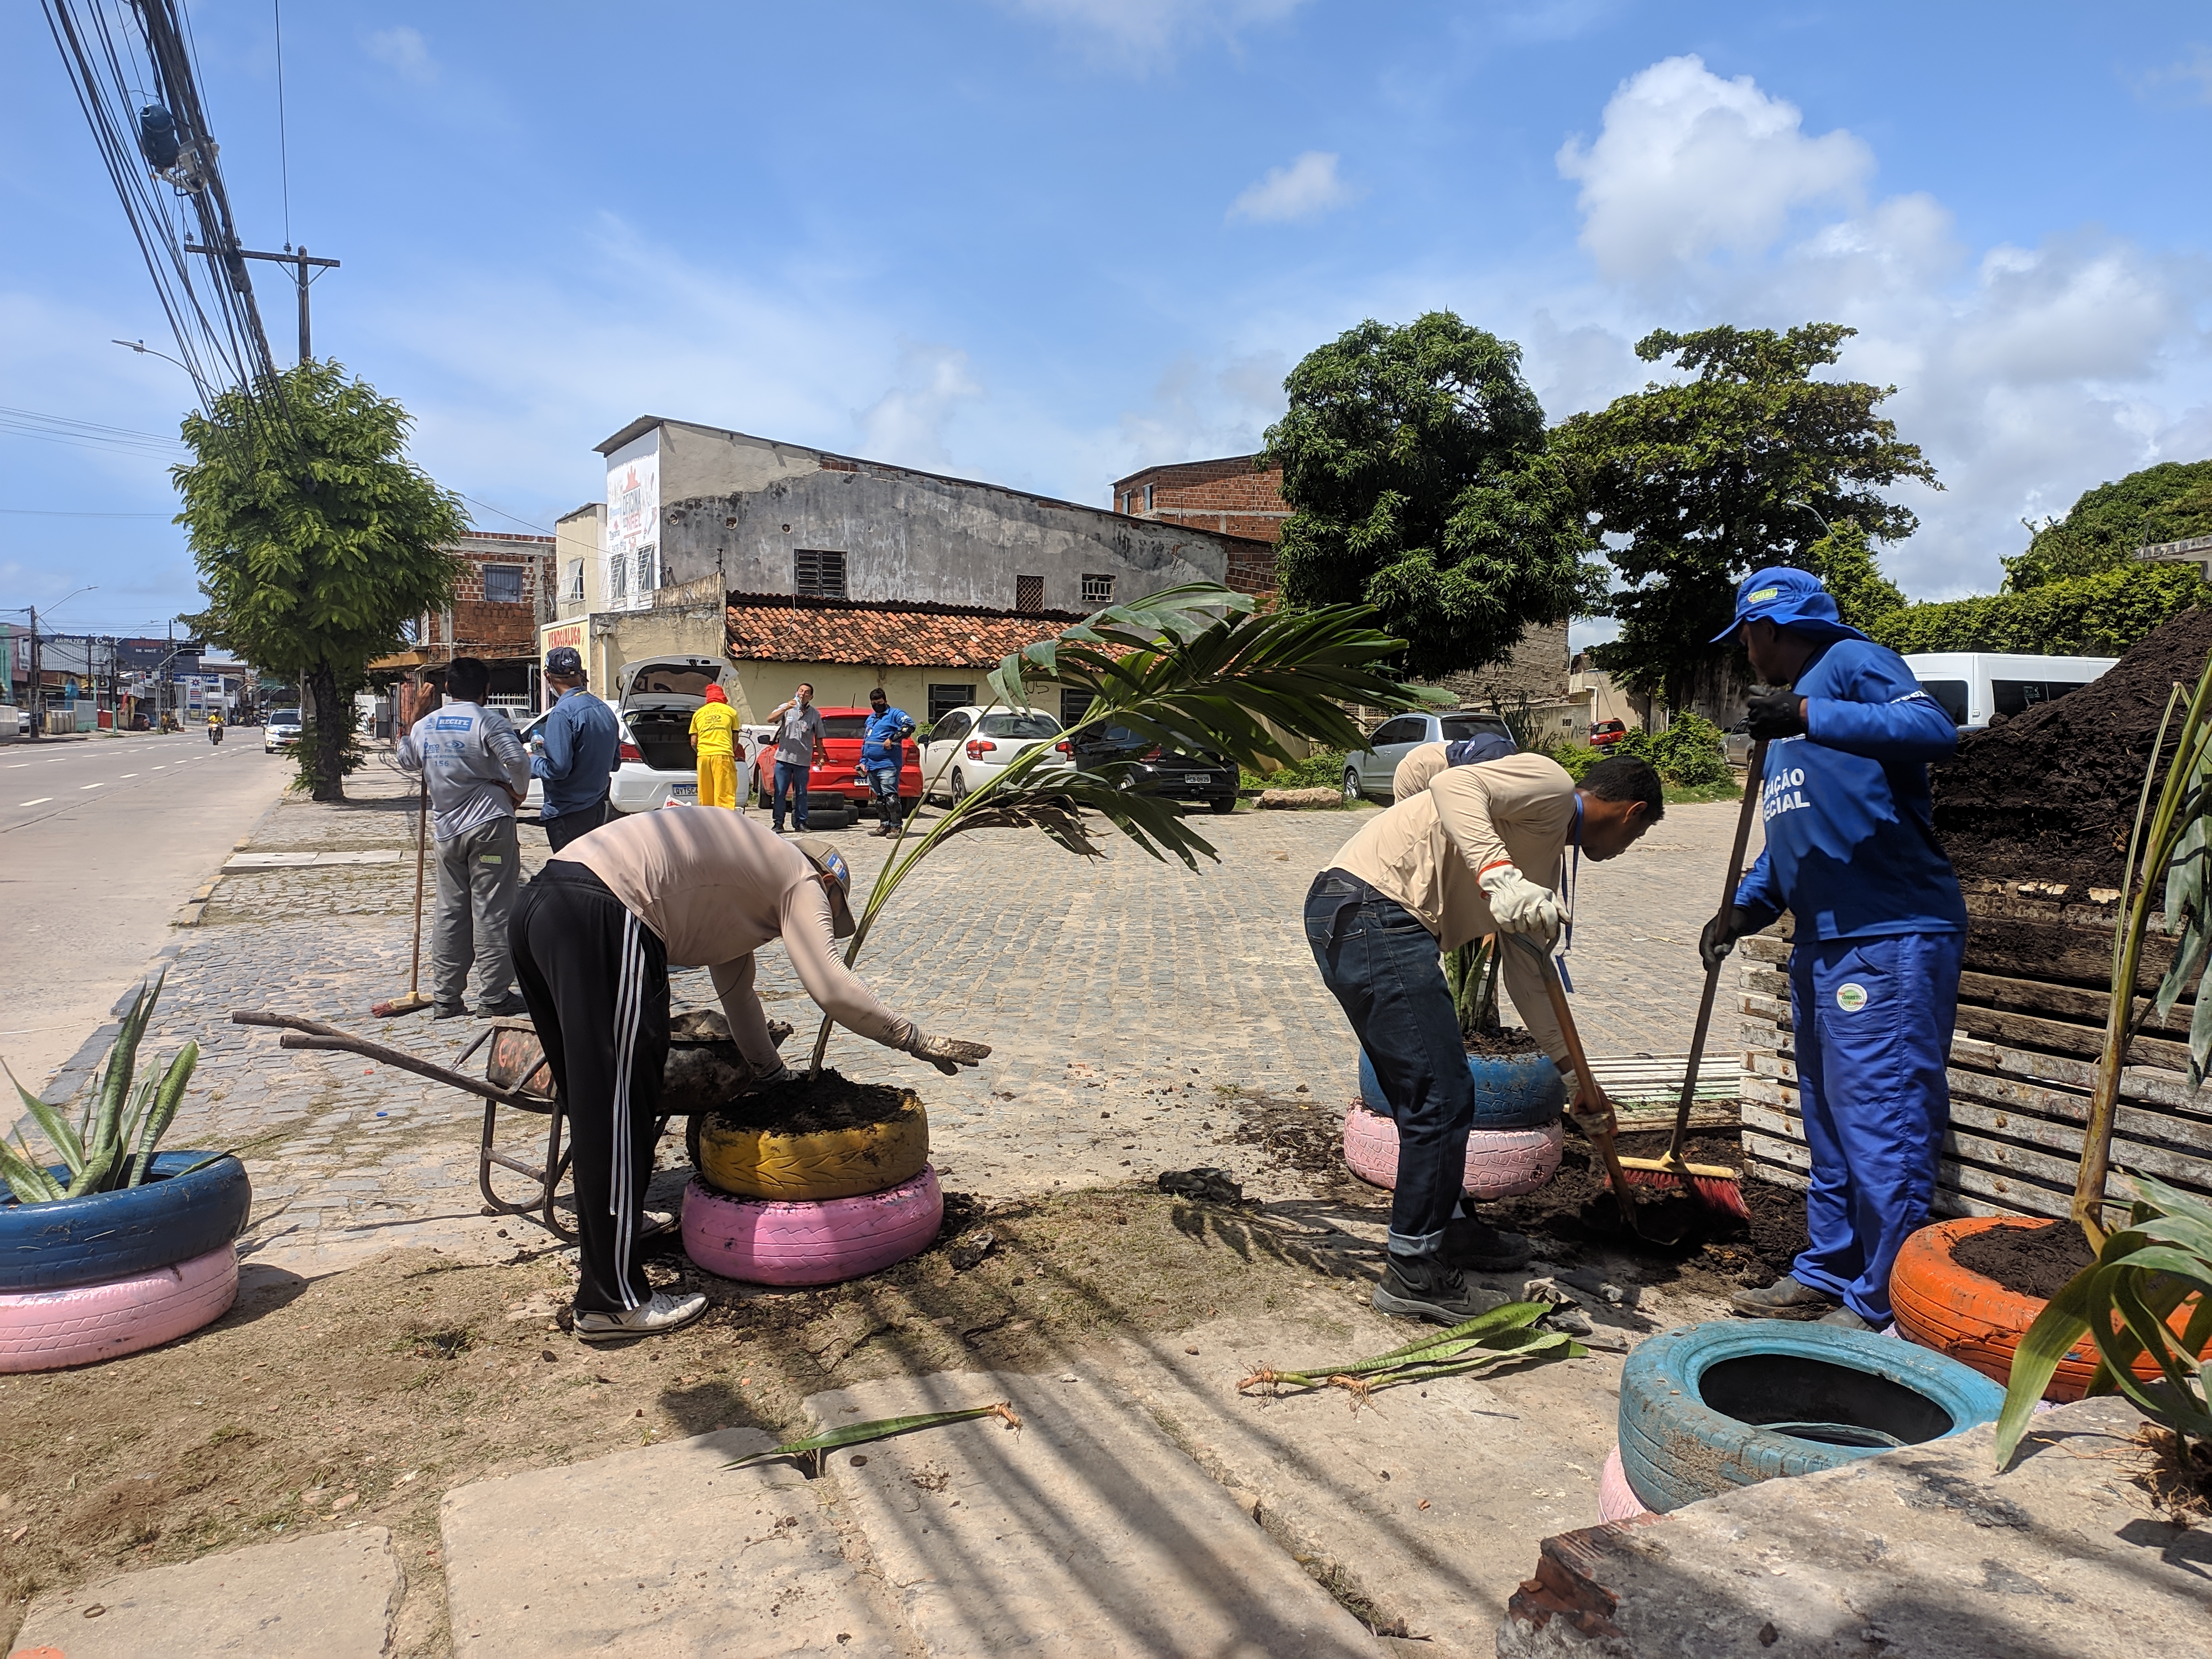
[[2099, 615], [2168, 503], [1419, 476], [316, 540], [1845, 563], [1745, 464]]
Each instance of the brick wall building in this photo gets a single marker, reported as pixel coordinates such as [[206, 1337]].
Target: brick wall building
[[508, 588], [1234, 495]]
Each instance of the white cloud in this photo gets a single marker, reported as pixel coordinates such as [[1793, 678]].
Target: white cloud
[[907, 424], [1135, 30], [405, 50], [2191, 76], [1306, 189], [1687, 163]]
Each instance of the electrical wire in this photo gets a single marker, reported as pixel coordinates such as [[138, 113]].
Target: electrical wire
[[284, 147], [90, 435]]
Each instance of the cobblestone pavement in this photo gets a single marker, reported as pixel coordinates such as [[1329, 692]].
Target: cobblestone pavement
[[1135, 1012]]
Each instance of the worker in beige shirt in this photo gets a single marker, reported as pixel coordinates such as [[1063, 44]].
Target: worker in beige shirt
[[594, 937], [1478, 850]]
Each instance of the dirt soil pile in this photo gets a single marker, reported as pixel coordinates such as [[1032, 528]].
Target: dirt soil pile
[[2049, 795], [2037, 1259], [811, 1104]]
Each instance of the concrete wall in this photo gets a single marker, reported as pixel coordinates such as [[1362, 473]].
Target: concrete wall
[[1537, 669], [580, 535], [737, 508]]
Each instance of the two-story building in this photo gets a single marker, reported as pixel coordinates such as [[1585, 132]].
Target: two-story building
[[504, 594]]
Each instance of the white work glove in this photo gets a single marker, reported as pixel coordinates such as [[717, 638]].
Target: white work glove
[[1519, 906], [772, 1077], [948, 1054]]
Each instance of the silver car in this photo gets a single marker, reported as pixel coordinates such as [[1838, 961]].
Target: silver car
[[1367, 773]]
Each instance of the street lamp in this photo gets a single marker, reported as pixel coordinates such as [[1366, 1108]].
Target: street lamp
[[145, 351]]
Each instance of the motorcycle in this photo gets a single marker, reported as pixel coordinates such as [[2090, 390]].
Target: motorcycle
[[215, 737]]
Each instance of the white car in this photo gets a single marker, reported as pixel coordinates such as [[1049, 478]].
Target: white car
[[283, 731], [658, 697], [969, 747]]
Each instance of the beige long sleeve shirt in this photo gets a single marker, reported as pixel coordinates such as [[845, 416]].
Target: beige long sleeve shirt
[[1427, 851], [714, 887]]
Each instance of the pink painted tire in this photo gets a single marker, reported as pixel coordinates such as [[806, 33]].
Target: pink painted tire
[[46, 1330], [817, 1242], [1500, 1163], [1616, 1498]]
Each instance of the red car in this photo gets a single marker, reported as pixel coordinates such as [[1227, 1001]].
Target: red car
[[842, 787], [1605, 733]]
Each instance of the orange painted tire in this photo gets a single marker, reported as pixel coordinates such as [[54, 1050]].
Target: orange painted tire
[[1972, 1318]]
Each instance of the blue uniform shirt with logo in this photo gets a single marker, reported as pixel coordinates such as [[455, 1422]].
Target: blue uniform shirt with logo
[[1850, 848], [883, 743]]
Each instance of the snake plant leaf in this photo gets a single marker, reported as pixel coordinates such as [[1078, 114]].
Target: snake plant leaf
[[51, 1123], [883, 1428], [28, 1180]]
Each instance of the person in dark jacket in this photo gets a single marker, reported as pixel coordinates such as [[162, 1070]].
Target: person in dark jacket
[[1880, 934], [883, 756], [577, 750]]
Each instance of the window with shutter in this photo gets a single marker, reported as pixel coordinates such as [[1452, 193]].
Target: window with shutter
[[1097, 590], [818, 573]]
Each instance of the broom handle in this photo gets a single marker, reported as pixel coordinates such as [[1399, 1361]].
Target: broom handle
[[1593, 1096], [421, 844], [1752, 779]]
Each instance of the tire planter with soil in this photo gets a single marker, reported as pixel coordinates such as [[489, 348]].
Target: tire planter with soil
[[46, 1330], [1942, 1303], [1511, 1092], [1500, 1163], [106, 1237], [1707, 1408], [819, 1242], [750, 1161]]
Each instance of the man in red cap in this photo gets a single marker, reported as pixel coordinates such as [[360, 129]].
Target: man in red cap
[[714, 741]]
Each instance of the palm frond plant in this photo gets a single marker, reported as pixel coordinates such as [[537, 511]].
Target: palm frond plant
[[1470, 975], [2126, 1301], [1197, 667], [2173, 837], [111, 1145]]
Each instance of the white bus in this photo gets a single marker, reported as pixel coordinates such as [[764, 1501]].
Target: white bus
[[1974, 685]]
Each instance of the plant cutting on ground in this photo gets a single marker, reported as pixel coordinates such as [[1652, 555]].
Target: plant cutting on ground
[[111, 1145], [1497, 1337], [883, 1428], [1198, 668]]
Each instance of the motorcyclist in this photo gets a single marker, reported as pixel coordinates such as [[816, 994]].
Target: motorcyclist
[[215, 726]]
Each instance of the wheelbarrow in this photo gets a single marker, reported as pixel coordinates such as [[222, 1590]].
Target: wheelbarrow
[[703, 1072]]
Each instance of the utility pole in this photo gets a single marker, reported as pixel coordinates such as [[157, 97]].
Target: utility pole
[[37, 702], [297, 257]]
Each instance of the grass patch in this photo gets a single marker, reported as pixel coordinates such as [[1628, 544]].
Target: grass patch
[[1702, 794]]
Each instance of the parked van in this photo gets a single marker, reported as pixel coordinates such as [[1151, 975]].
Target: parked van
[[1975, 685]]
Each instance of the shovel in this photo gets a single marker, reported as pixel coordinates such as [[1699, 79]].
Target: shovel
[[414, 999], [1623, 1193]]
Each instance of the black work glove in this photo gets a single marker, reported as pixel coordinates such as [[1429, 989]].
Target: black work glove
[[1723, 931], [1777, 713]]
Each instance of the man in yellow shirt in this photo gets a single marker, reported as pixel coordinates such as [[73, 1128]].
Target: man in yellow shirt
[[713, 732]]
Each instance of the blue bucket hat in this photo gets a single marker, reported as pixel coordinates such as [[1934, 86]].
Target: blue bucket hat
[[1790, 599]]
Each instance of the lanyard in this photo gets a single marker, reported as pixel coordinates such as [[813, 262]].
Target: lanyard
[[1574, 879]]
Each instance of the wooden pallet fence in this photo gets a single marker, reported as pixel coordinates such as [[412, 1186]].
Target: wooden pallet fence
[[2031, 1018]]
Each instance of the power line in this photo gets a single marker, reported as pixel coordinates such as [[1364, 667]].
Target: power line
[[57, 513], [284, 147], [503, 513]]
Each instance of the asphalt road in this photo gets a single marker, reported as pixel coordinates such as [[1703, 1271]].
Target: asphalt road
[[100, 841]]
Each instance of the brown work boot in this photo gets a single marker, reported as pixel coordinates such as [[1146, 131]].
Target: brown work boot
[[1785, 1299]]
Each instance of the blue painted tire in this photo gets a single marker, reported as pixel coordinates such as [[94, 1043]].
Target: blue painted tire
[[171, 1217], [1511, 1092], [1676, 1448]]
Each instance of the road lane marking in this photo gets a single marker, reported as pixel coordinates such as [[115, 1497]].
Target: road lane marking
[[91, 785], [130, 774], [161, 768], [41, 801]]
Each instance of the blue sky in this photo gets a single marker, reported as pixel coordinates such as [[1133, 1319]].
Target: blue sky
[[1047, 242]]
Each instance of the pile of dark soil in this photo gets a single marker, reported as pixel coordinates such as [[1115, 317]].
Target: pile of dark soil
[[1577, 1207], [2049, 795], [1511, 1040], [808, 1105], [2035, 1259]]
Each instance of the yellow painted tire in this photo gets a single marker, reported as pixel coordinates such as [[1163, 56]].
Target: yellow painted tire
[[830, 1163]]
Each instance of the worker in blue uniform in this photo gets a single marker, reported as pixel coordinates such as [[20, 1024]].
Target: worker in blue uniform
[[1881, 932]]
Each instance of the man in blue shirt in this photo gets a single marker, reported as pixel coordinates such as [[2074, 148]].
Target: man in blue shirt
[[883, 756], [576, 752], [1881, 932]]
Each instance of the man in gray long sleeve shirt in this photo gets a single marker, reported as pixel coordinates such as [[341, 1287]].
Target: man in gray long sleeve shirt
[[479, 772]]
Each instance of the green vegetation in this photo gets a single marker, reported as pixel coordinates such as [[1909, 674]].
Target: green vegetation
[[1495, 1338], [1750, 462], [1322, 769], [2169, 502], [318, 541], [2097, 616], [1421, 481], [112, 1142]]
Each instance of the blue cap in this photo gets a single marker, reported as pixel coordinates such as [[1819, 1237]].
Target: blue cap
[[1790, 599]]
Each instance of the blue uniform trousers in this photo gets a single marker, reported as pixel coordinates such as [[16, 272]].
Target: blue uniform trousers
[[1873, 1019]]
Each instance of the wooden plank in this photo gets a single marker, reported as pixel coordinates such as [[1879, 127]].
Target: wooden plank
[[2180, 1166], [1764, 948], [1765, 1007], [1774, 1149], [1762, 1091], [1767, 981], [2153, 1085], [2147, 1126], [2034, 996], [2029, 1031]]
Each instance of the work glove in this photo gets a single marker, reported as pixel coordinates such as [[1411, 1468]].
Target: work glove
[[948, 1054], [1592, 1121], [1519, 906], [1723, 931], [1777, 712], [772, 1077]]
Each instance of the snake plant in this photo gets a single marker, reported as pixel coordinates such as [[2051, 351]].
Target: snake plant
[[112, 1144]]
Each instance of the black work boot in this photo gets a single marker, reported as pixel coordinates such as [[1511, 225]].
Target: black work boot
[[1785, 1299], [1475, 1246], [1424, 1288]]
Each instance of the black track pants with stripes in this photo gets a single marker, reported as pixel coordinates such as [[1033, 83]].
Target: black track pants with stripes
[[595, 979]]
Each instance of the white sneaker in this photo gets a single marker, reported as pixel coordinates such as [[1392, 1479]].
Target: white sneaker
[[654, 1223], [664, 1314]]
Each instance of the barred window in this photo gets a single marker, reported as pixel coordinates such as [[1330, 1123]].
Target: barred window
[[819, 574], [503, 584], [944, 699], [1075, 704], [1097, 590], [1029, 595]]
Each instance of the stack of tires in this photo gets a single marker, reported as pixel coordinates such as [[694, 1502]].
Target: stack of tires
[[84, 1280], [772, 1208], [1513, 1146]]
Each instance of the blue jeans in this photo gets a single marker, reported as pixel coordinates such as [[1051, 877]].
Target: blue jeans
[[1381, 964], [1872, 1020], [883, 784], [791, 785]]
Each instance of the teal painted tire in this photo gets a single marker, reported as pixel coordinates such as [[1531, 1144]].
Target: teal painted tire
[[1511, 1092], [1701, 1407]]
